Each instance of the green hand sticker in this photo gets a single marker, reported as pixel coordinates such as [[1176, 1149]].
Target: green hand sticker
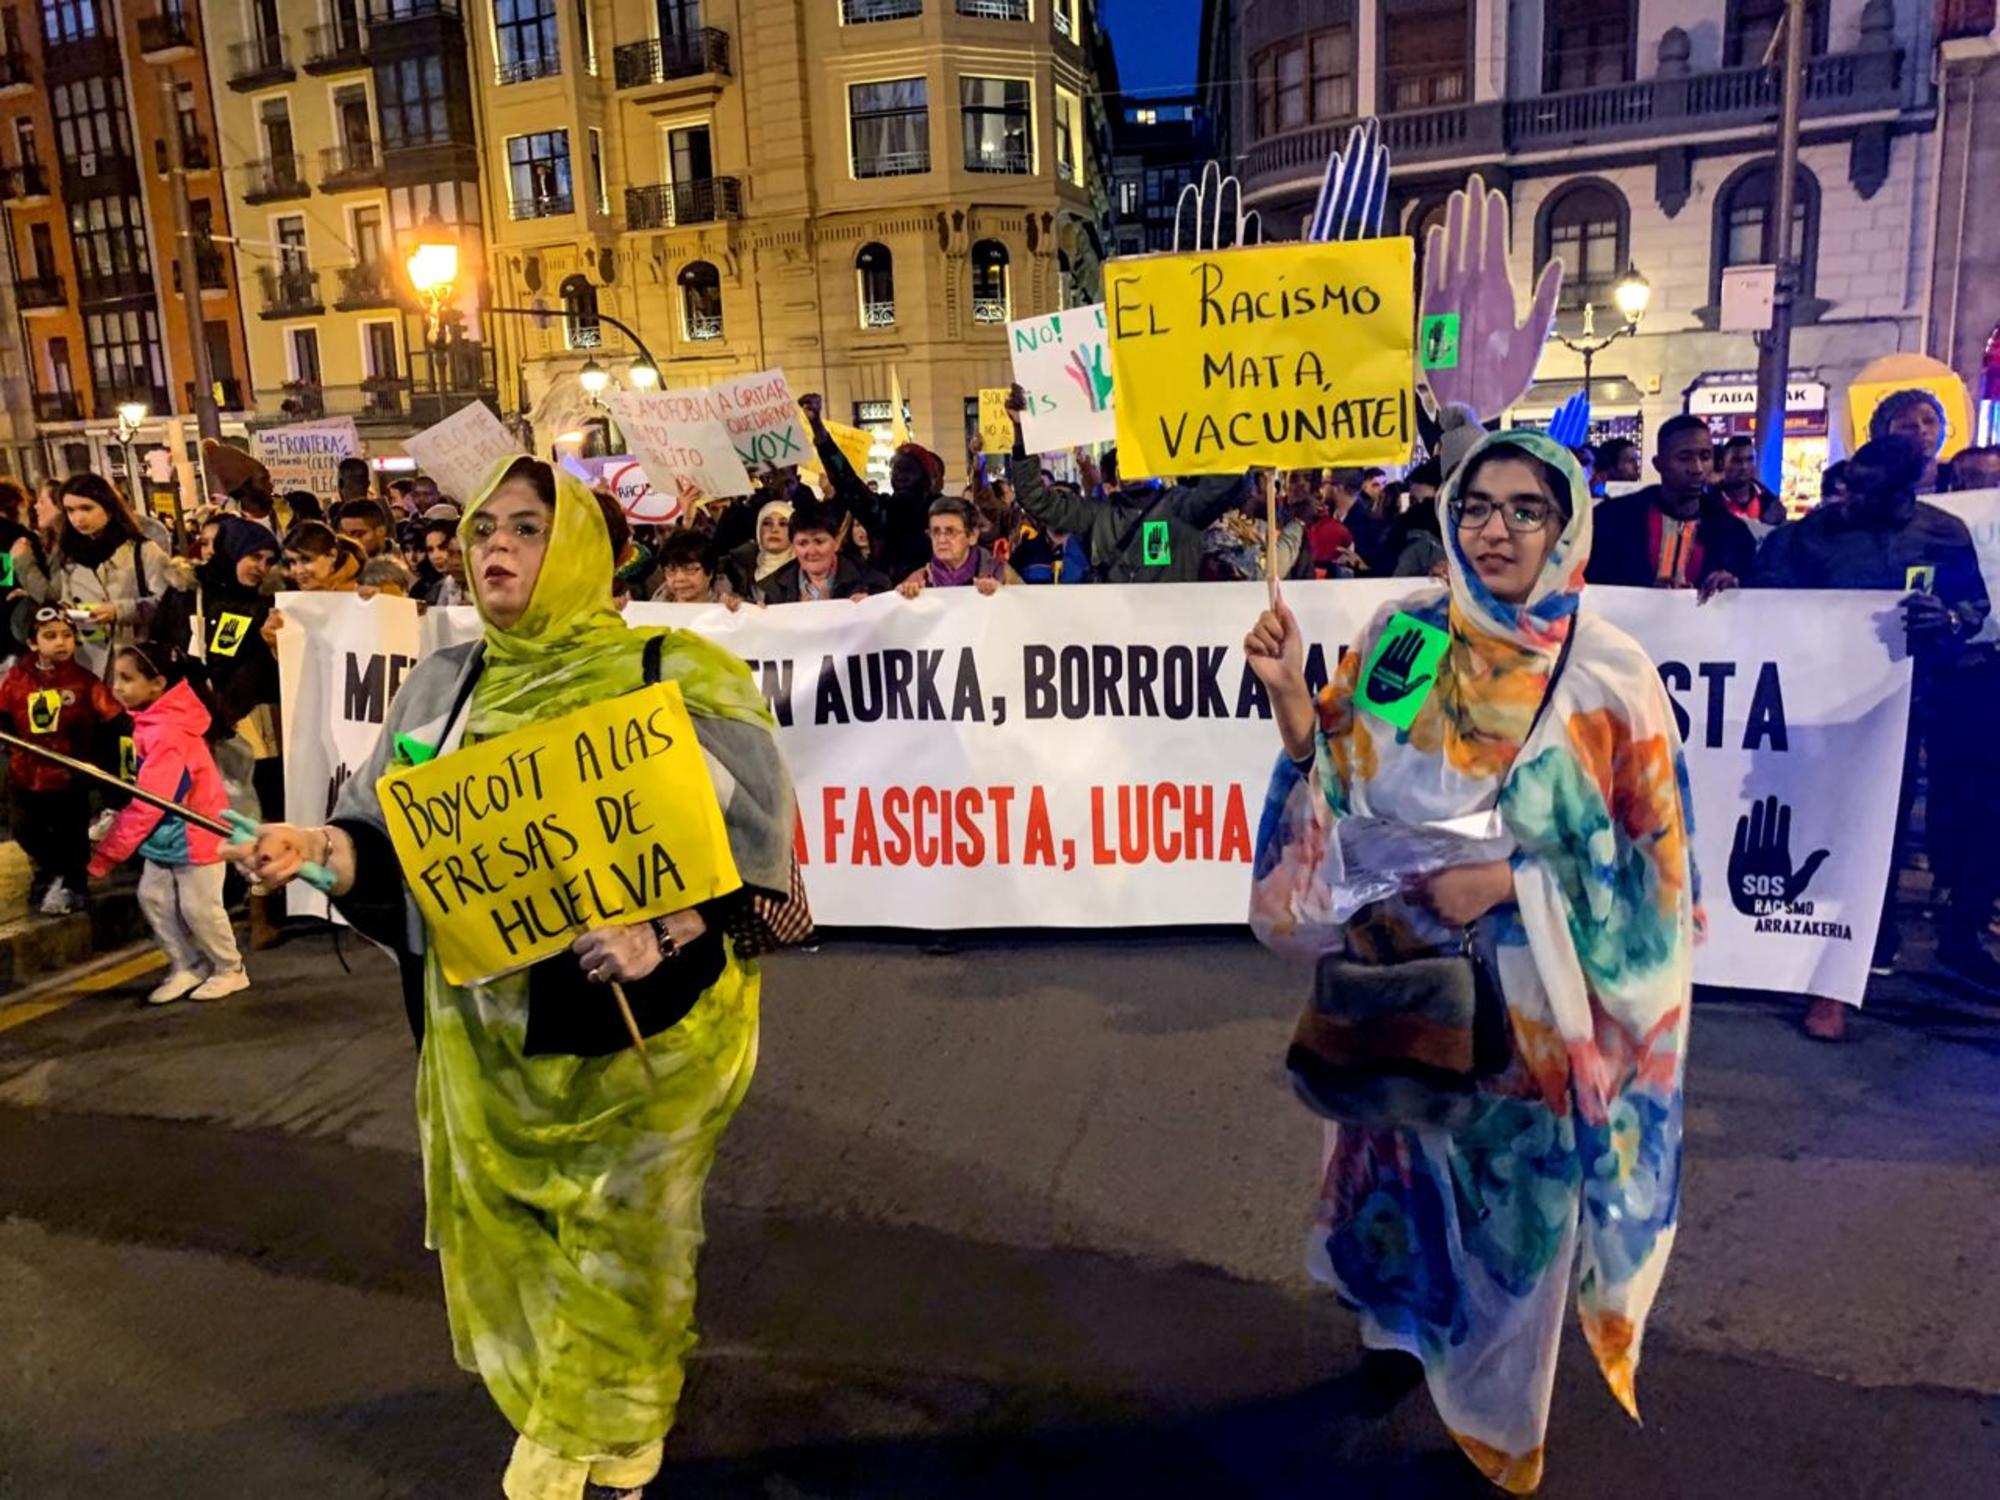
[[6, 570], [1399, 675], [1439, 341], [414, 751], [1158, 547], [230, 631]]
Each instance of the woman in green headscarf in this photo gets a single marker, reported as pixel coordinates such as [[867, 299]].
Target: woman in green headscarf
[[564, 1184]]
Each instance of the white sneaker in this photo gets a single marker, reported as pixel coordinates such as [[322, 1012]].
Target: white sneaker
[[216, 986], [59, 901], [176, 985]]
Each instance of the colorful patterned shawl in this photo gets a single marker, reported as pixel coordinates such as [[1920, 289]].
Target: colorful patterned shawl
[[1462, 1248]]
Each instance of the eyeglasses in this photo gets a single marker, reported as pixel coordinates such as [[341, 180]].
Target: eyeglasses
[[1522, 516], [485, 528]]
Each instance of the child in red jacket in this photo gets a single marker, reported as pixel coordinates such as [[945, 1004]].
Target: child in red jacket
[[48, 700], [180, 890]]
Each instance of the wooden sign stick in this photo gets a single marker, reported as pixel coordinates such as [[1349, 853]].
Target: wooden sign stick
[[1270, 482], [632, 1026]]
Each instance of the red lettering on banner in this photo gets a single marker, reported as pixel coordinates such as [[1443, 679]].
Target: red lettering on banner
[[867, 846], [1201, 821], [1003, 801], [1236, 829], [1040, 841], [1100, 852], [1167, 823], [831, 824], [799, 836], [967, 807], [1166, 802], [895, 813]]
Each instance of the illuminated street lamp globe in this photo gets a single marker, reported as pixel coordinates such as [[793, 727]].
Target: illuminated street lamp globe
[[131, 414], [433, 267], [1632, 295], [643, 375], [594, 379]]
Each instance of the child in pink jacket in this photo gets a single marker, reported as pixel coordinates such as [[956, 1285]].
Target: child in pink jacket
[[180, 890]]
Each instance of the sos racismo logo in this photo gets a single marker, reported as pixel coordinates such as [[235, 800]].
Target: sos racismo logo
[[1763, 882]]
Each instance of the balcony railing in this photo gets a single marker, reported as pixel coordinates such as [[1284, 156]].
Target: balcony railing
[[861, 12], [258, 63], [989, 309], [58, 406], [542, 205], [27, 181], [372, 284], [702, 327], [382, 12], [208, 270], [32, 292], [107, 284], [335, 48], [195, 155], [356, 164], [1065, 26], [165, 33], [1013, 162], [290, 291], [14, 72], [112, 396], [893, 164], [1669, 107], [994, 10], [706, 200], [527, 69], [637, 64], [878, 315], [275, 177]]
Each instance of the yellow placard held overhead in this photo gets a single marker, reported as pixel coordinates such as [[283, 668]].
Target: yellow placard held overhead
[[517, 846], [996, 423], [1282, 356], [1901, 382]]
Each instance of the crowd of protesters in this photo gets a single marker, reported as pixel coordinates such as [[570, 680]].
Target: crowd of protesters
[[104, 606]]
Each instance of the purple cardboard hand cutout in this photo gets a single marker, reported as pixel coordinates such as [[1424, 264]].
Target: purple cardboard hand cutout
[[1465, 273]]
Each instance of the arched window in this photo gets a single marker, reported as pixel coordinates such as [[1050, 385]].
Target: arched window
[[701, 301], [989, 282], [875, 273], [1743, 229], [1588, 225], [580, 326]]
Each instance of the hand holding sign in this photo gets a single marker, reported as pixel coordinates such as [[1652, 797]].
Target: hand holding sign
[[1466, 277], [1760, 860]]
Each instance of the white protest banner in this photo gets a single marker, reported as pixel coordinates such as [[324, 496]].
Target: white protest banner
[[461, 450], [762, 418], [340, 660], [680, 436], [307, 455], [1980, 510], [1098, 757], [1063, 362]]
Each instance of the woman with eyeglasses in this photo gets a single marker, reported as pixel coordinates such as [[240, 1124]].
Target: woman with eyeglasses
[[1560, 1166], [563, 1184]]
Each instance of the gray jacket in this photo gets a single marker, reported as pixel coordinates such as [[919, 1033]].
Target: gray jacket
[[133, 579]]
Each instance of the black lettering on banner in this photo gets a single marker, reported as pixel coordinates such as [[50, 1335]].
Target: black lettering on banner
[[1038, 671], [1716, 674], [968, 704], [1121, 308], [369, 689], [929, 704], [864, 687], [829, 707], [774, 680], [1145, 664], [1766, 726], [1106, 670], [898, 672], [1676, 678]]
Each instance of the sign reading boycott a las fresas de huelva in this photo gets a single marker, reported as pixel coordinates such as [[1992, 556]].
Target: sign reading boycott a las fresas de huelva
[[517, 846], [1280, 356]]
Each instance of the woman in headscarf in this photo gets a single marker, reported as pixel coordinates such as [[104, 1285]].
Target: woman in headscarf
[[563, 1185], [1459, 1249], [242, 666], [769, 550]]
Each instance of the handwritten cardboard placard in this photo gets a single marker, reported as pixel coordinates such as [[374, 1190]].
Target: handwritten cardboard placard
[[1288, 356], [681, 439], [517, 846], [461, 450], [996, 423], [307, 455], [1063, 362], [762, 417]]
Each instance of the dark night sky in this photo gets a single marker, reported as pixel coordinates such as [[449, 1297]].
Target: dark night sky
[[1155, 42]]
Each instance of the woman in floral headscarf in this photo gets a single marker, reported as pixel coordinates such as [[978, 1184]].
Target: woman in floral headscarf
[[1460, 1249]]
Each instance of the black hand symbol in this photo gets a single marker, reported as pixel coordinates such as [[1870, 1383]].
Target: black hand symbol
[[1389, 679], [1760, 859]]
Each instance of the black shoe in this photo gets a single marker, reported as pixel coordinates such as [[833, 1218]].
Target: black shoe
[[1966, 960]]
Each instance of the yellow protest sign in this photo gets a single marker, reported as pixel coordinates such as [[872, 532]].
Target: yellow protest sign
[[1287, 356], [230, 633], [996, 426], [515, 847]]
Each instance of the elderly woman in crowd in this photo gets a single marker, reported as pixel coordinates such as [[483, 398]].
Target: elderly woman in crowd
[[957, 559]]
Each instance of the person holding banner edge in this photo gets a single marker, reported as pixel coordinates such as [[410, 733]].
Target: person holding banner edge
[[1459, 1245], [563, 1187]]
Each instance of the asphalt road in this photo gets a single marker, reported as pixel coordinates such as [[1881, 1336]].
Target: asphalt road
[[1020, 1220]]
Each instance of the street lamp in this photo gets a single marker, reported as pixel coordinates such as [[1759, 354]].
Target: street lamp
[[131, 416], [433, 267], [594, 379], [1630, 296], [643, 374]]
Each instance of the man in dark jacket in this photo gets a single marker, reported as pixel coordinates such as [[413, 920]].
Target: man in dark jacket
[[1744, 493], [1677, 534], [1883, 537], [1135, 533], [899, 522]]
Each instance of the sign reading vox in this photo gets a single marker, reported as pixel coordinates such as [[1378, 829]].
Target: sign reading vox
[[515, 846], [1289, 356]]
